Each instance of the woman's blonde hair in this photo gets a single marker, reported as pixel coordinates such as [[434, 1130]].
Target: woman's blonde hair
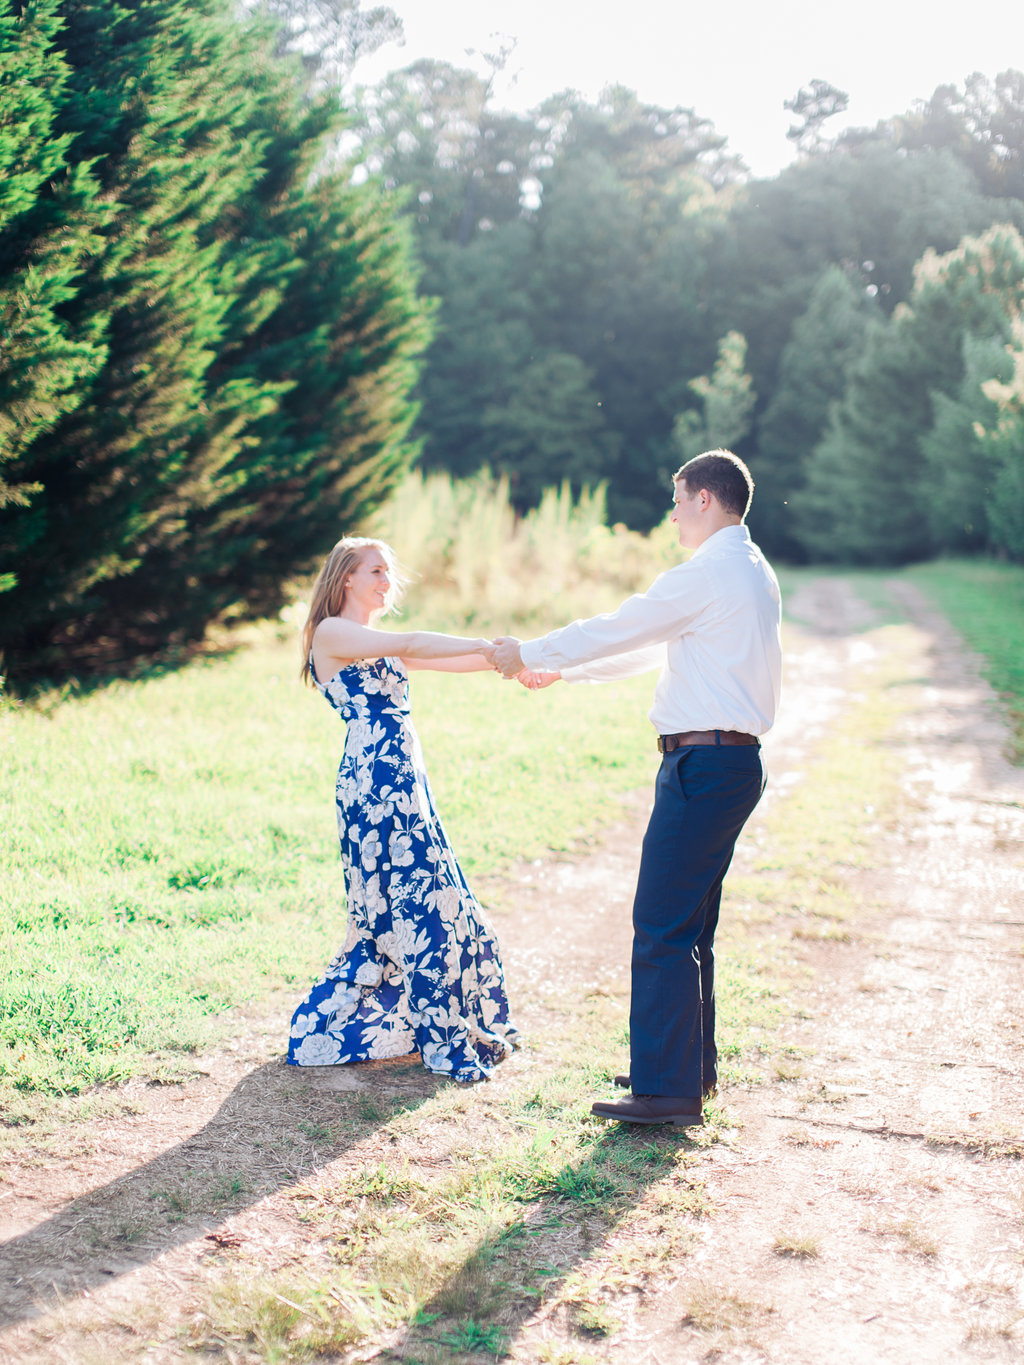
[[328, 595]]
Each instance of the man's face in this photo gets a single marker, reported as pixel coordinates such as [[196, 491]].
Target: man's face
[[685, 515]]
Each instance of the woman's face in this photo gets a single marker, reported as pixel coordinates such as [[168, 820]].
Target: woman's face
[[367, 586]]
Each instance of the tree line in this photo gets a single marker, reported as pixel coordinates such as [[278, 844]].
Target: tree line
[[235, 309], [614, 294]]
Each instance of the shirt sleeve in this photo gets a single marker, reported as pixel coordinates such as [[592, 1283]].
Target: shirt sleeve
[[614, 666], [673, 601]]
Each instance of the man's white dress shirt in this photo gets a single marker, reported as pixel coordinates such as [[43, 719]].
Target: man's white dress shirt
[[711, 624]]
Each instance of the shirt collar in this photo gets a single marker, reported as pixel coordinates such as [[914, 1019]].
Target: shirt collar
[[722, 539]]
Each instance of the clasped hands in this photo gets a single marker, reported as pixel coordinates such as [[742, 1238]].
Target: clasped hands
[[505, 658]]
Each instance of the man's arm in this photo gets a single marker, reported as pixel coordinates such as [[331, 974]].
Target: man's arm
[[672, 602]]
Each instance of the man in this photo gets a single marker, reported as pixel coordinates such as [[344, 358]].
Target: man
[[713, 624]]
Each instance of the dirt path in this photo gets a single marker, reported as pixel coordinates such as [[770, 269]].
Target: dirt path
[[868, 1207]]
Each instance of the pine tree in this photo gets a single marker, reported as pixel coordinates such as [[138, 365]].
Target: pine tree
[[551, 420], [825, 343], [257, 317], [1003, 441], [868, 488], [727, 402], [50, 220], [959, 455]]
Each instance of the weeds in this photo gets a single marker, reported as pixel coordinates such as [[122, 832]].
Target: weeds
[[913, 1238], [476, 1336], [801, 1248], [713, 1309]]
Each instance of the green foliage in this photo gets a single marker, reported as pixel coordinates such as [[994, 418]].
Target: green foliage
[[982, 125], [51, 219], [229, 375], [872, 210], [871, 464], [564, 248], [727, 400], [551, 419], [959, 454], [1003, 443], [588, 257], [825, 344]]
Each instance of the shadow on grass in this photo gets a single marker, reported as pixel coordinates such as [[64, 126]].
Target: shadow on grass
[[45, 692], [517, 1275], [275, 1129]]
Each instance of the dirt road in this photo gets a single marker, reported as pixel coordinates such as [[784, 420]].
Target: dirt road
[[868, 1202]]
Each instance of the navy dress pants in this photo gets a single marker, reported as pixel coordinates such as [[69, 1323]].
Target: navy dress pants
[[703, 797]]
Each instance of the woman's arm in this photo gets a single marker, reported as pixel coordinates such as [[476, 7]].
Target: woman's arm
[[460, 663], [340, 641]]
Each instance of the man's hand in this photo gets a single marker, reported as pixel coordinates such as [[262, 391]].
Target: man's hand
[[534, 679], [507, 659]]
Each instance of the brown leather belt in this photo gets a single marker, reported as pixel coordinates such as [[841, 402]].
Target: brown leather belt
[[666, 743]]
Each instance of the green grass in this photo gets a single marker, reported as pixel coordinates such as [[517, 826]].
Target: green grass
[[169, 848], [984, 600]]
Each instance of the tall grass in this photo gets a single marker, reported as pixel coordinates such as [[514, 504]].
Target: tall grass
[[476, 564]]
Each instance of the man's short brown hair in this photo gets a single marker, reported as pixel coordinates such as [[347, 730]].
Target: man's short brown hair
[[725, 477]]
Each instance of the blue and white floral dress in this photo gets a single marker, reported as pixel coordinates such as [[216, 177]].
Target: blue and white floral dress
[[420, 969]]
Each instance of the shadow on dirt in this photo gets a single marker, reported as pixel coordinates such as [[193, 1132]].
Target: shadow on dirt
[[277, 1127]]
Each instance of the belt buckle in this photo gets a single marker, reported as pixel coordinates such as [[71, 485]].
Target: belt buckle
[[661, 745]]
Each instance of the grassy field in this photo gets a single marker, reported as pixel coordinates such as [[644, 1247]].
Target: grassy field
[[160, 834], [169, 847]]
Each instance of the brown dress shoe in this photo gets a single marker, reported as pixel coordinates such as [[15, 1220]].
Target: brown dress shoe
[[684, 1112], [710, 1091]]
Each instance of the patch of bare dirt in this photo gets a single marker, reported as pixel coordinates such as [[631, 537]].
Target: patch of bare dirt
[[869, 1208]]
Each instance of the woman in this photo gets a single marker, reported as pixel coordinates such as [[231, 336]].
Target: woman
[[420, 969]]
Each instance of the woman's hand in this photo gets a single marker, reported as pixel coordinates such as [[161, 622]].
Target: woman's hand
[[534, 679]]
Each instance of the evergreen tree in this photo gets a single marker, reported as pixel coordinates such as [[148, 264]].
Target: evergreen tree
[[551, 420], [868, 488], [982, 125], [257, 320], [1004, 440], [825, 344], [869, 208], [727, 401], [578, 231], [50, 218], [958, 454]]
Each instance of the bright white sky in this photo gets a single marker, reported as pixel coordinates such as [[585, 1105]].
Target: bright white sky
[[732, 63]]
